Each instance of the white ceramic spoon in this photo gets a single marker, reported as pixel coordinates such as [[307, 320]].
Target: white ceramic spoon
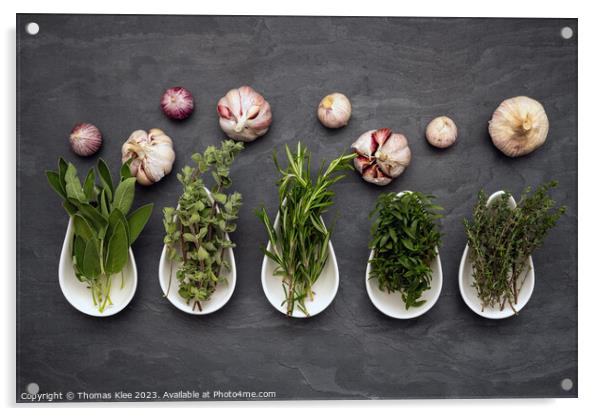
[[469, 293], [391, 304], [325, 288], [78, 294], [221, 296]]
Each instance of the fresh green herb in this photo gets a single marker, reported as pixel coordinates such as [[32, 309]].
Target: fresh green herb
[[404, 243], [196, 231], [300, 238], [102, 232], [501, 239]]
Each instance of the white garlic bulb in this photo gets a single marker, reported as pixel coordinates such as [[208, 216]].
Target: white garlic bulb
[[334, 110], [244, 114], [441, 132], [518, 126], [152, 153], [381, 155]]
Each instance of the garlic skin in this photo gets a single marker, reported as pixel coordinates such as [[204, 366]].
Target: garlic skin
[[382, 155], [244, 114], [334, 110], [152, 153], [85, 139], [519, 126], [441, 132]]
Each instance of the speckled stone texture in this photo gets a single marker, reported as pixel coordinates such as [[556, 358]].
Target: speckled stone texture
[[398, 73]]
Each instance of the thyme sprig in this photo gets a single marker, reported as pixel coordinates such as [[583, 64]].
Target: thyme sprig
[[501, 239], [405, 238], [196, 230], [300, 239]]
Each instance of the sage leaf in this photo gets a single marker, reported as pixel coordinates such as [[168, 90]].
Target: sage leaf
[[137, 220], [55, 183], [95, 218], [117, 250], [125, 171], [82, 228], [70, 208], [73, 186], [124, 195], [115, 218], [104, 207], [91, 264], [105, 177], [89, 186], [62, 171]]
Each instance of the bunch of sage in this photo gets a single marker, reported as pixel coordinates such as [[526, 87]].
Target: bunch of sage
[[405, 238], [102, 232], [501, 239], [300, 239], [196, 230]]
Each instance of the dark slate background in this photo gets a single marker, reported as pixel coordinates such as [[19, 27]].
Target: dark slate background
[[398, 73]]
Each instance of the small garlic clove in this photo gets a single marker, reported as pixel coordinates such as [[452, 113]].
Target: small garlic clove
[[364, 144], [398, 155], [519, 126], [334, 111], [441, 132]]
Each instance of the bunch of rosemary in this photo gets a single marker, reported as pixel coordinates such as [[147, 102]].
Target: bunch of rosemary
[[501, 239], [300, 238], [196, 230], [404, 240]]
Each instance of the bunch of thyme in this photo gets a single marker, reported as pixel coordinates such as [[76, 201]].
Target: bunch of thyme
[[501, 239]]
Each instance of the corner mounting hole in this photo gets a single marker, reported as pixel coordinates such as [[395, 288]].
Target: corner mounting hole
[[33, 388], [566, 384], [566, 32], [32, 28]]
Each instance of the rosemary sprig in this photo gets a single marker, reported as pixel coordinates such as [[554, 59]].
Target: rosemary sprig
[[300, 239], [501, 239], [404, 239]]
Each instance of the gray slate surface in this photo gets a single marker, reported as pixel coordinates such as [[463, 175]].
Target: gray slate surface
[[398, 73]]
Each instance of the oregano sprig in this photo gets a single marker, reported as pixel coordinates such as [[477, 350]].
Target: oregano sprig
[[196, 230]]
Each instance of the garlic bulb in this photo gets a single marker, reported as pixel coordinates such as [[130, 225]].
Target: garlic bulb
[[441, 132], [382, 155], [177, 103], [85, 139], [152, 153], [334, 110], [518, 126], [244, 114]]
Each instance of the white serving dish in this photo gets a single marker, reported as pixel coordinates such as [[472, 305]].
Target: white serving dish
[[78, 294], [391, 304]]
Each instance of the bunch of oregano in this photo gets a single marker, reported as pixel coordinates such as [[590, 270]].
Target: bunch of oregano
[[501, 239], [196, 230], [102, 232], [405, 238], [300, 239]]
